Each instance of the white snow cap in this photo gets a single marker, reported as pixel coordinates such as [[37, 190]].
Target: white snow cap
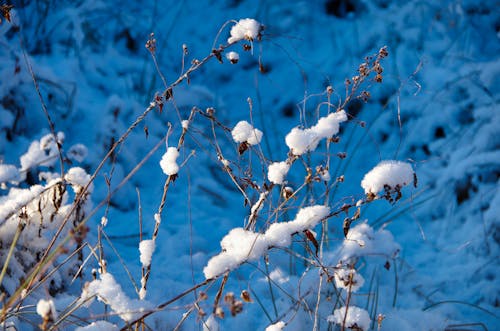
[[277, 172], [356, 317], [279, 326], [110, 292], [241, 245], [168, 162], [43, 152], [391, 173], [233, 57], [245, 132], [348, 279], [9, 173], [146, 248], [78, 178], [301, 141], [98, 326], [46, 309], [247, 28]]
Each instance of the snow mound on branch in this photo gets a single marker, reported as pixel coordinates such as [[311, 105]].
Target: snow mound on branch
[[302, 141], [244, 132], [277, 172], [391, 173], [246, 28], [356, 317], [279, 326], [146, 248], [98, 326], [241, 245], [110, 292], [168, 162]]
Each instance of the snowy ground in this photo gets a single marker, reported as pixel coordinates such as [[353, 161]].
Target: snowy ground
[[437, 109]]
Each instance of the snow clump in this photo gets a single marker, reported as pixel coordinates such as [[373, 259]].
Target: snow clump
[[110, 292], [98, 326], [43, 152], [233, 57], [279, 326], [348, 279], [46, 309], [168, 162], [241, 245], [78, 178], [247, 28], [244, 132], [301, 141], [356, 318], [394, 174], [277, 172], [146, 248]]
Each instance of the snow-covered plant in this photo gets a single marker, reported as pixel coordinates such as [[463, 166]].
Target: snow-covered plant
[[289, 201]]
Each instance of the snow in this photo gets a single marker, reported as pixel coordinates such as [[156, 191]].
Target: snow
[[302, 141], [46, 309], [146, 248], [277, 172], [233, 57], [9, 173], [356, 317], [435, 109], [348, 279], [247, 28], [98, 326], [78, 177], [244, 132], [168, 162], [394, 174], [278, 326], [110, 292], [241, 245], [211, 324], [363, 240], [238, 246], [43, 152]]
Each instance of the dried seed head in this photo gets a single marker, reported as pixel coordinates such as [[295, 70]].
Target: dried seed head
[[287, 192], [151, 43], [202, 296], [236, 307], [246, 296], [210, 111], [329, 89], [383, 52], [342, 155], [229, 298]]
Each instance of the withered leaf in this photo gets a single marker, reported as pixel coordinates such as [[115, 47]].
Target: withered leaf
[[312, 239], [242, 148], [5, 11]]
